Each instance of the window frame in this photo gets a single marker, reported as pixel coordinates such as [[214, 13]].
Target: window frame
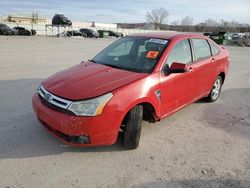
[[211, 44], [191, 50]]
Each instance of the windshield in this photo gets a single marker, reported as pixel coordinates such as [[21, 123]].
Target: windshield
[[132, 54]]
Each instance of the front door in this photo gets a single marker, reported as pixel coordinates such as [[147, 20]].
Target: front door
[[178, 89]]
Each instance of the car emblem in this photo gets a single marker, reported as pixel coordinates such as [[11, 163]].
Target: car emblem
[[47, 96]]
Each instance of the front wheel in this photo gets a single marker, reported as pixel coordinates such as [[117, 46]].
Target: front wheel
[[133, 124], [215, 91]]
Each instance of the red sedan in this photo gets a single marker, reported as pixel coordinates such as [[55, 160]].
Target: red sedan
[[139, 77]]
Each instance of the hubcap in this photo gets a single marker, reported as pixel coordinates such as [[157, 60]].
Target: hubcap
[[216, 89]]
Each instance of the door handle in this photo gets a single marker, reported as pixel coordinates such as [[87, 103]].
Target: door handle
[[190, 69], [213, 60]]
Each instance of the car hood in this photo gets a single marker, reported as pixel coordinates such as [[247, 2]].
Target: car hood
[[88, 80]]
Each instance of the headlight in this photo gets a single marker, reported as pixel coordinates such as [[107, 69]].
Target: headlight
[[92, 107]]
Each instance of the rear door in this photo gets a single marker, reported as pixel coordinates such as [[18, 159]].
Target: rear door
[[203, 65], [177, 89]]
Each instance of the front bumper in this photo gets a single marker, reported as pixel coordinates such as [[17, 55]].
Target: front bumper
[[77, 130]]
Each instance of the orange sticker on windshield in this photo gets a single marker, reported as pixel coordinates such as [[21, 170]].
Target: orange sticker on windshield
[[152, 54]]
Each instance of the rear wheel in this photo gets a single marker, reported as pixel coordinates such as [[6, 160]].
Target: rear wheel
[[84, 35], [132, 127], [216, 90]]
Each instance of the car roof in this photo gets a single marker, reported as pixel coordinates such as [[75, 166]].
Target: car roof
[[165, 35]]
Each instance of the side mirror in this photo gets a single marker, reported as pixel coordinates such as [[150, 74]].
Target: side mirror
[[178, 68]]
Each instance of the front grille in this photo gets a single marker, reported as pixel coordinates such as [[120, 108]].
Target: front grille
[[56, 108], [54, 102]]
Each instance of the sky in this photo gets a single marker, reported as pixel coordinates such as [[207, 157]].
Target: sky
[[131, 11]]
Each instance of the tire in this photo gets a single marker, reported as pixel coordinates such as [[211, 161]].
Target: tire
[[84, 35], [216, 90], [133, 124]]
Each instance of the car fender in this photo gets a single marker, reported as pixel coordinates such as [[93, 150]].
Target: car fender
[[124, 109], [223, 63], [155, 103], [146, 90]]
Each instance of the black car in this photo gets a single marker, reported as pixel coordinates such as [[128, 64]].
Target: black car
[[60, 19], [72, 33], [24, 31], [236, 37], [89, 33], [6, 30], [103, 33], [207, 34]]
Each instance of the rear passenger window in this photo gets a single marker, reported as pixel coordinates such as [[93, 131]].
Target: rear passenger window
[[181, 53], [215, 49], [201, 49]]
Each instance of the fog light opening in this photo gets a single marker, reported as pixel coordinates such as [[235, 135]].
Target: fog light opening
[[79, 139]]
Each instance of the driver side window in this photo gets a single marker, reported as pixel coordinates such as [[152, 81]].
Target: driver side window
[[180, 53]]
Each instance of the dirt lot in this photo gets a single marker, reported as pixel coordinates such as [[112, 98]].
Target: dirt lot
[[203, 145]]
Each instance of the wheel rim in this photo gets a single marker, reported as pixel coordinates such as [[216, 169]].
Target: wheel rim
[[216, 89]]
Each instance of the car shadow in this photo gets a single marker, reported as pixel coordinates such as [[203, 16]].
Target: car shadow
[[21, 135], [230, 113], [199, 183]]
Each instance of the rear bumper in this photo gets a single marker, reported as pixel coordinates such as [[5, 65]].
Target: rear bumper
[[77, 130]]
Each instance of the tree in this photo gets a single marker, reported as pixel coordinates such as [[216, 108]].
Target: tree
[[224, 23], [176, 22], [211, 22], [157, 17], [235, 23], [186, 21]]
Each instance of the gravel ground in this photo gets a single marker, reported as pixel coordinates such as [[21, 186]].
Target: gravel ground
[[202, 145]]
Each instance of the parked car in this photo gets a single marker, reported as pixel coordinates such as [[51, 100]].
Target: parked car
[[72, 33], [89, 33], [207, 34], [140, 77], [6, 30], [118, 34], [60, 19], [24, 31], [241, 39], [108, 33], [220, 37]]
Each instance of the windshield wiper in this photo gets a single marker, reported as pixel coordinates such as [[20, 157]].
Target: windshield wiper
[[93, 61], [113, 66]]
